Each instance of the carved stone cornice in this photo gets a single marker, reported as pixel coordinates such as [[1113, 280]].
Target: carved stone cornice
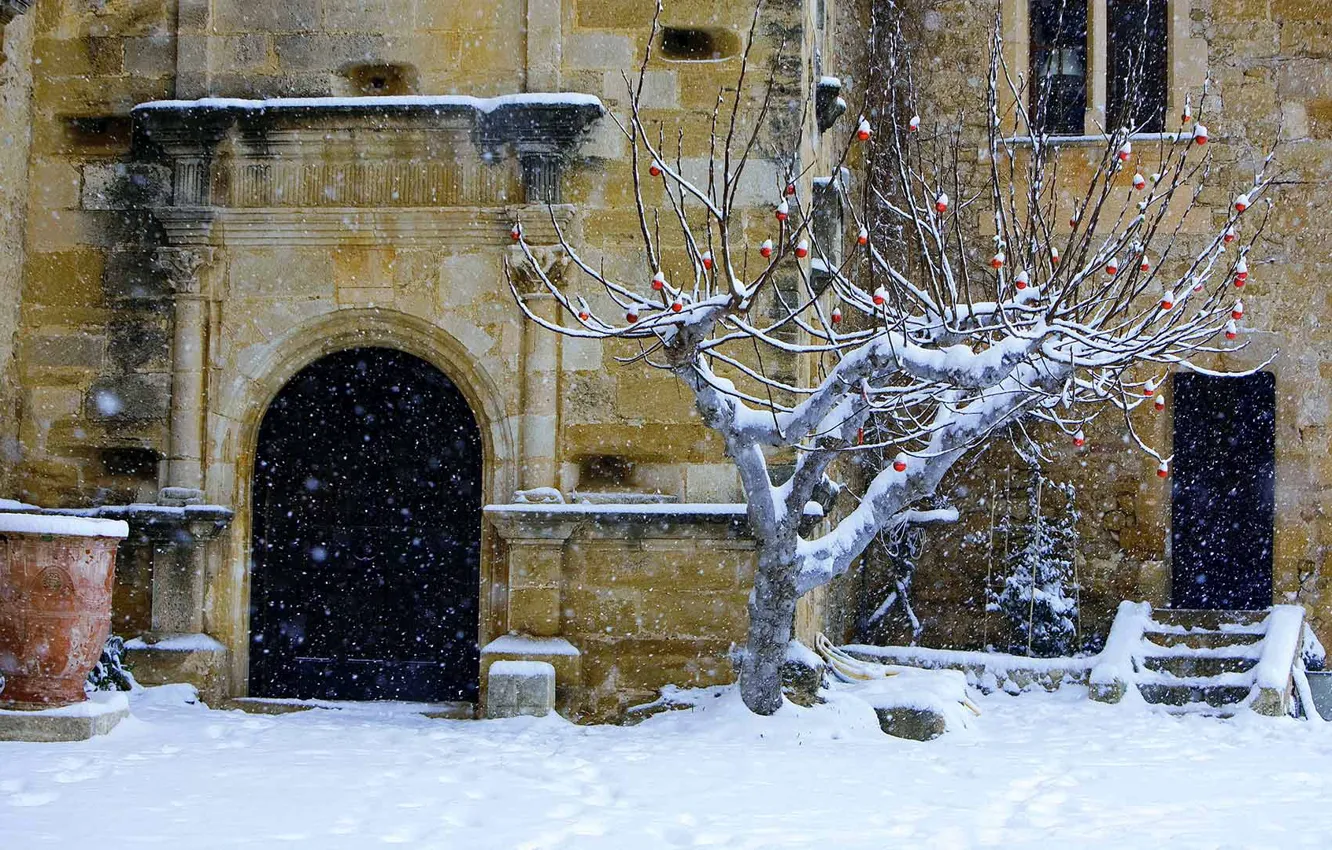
[[365, 152], [553, 262], [182, 266]]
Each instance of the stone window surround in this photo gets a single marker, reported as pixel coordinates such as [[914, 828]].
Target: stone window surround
[[1186, 59]]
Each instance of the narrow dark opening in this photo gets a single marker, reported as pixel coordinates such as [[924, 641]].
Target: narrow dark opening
[[1058, 66], [1223, 499], [99, 131], [1137, 65], [604, 471], [690, 44]]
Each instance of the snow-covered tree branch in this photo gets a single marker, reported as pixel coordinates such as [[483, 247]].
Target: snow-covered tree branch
[[1043, 283]]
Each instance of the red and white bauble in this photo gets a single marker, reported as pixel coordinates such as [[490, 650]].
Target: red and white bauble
[[1229, 236], [516, 232], [1125, 151], [677, 305], [1149, 389], [997, 261], [1167, 300], [914, 124], [1054, 256], [783, 211], [837, 315], [1112, 267], [790, 189], [766, 248], [1022, 279], [941, 202], [583, 315], [658, 282], [1163, 470], [900, 463], [863, 130], [631, 315], [1241, 273], [1237, 312], [1139, 182], [802, 250], [1079, 439], [1188, 113], [1073, 221], [654, 169], [1199, 134], [880, 296], [1144, 264], [1159, 404], [1243, 202], [862, 238], [707, 260], [1232, 329]]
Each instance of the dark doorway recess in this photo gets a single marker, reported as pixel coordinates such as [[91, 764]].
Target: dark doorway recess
[[367, 534], [1224, 482]]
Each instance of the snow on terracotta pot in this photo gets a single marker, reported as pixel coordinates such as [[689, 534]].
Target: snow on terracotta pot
[[55, 604]]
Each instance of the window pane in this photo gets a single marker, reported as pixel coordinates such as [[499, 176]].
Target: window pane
[[1137, 64], [1058, 66]]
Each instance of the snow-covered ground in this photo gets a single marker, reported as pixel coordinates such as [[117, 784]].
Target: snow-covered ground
[[1041, 770]]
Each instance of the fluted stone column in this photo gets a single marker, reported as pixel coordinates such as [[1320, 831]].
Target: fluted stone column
[[541, 365]]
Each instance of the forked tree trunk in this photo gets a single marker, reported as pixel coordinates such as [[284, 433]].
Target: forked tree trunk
[[772, 608]]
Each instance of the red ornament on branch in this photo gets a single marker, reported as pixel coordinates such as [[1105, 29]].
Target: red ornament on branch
[[1229, 236], [1232, 329], [1054, 256], [766, 248], [863, 130], [1159, 404], [880, 297], [1241, 273], [802, 249], [1112, 267], [914, 124], [707, 260], [1022, 279], [1243, 202], [658, 281], [1200, 134], [1167, 300], [1237, 312], [862, 238], [1125, 151], [900, 463], [1163, 470], [654, 169], [677, 305], [997, 261], [941, 202], [1079, 439], [631, 315], [516, 233], [790, 190], [783, 211], [1139, 182], [837, 315]]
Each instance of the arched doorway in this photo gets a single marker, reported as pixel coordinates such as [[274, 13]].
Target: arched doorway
[[367, 534]]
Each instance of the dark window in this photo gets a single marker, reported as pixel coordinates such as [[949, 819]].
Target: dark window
[[1058, 66], [1136, 66], [698, 45]]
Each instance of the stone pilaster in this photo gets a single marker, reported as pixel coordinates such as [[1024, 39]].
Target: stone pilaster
[[185, 270], [544, 45], [541, 366], [534, 544]]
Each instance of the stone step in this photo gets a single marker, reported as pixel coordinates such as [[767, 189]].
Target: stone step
[[1192, 666], [1204, 640], [1196, 618], [1216, 696]]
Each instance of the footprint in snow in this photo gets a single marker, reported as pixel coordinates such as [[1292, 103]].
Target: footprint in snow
[[35, 799]]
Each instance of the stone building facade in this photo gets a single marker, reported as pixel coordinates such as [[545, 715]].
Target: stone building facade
[[205, 199], [176, 248]]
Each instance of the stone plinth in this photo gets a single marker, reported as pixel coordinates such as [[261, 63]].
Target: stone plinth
[[78, 722], [563, 658], [194, 659], [520, 689]]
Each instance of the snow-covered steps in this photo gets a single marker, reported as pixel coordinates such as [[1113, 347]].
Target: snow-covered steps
[[1203, 662]]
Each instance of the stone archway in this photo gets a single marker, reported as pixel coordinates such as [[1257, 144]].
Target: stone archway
[[366, 528]]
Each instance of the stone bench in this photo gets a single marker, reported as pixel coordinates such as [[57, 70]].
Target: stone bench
[[520, 688]]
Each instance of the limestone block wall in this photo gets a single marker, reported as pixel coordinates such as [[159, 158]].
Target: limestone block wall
[[1267, 69], [15, 121]]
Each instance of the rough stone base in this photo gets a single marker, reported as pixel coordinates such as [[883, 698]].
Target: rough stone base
[[915, 724], [98, 716], [558, 652], [192, 659], [520, 689]]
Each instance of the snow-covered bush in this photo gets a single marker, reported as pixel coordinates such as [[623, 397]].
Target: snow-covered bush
[[110, 673], [918, 315], [1039, 596]]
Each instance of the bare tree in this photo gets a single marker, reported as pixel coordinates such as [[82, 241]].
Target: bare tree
[[1088, 294]]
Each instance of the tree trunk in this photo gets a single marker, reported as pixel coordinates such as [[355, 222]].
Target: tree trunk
[[771, 621]]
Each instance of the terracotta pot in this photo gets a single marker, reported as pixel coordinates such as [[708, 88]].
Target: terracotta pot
[[55, 604]]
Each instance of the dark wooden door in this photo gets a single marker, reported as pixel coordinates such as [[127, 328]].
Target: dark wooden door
[[1224, 480], [367, 534]]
